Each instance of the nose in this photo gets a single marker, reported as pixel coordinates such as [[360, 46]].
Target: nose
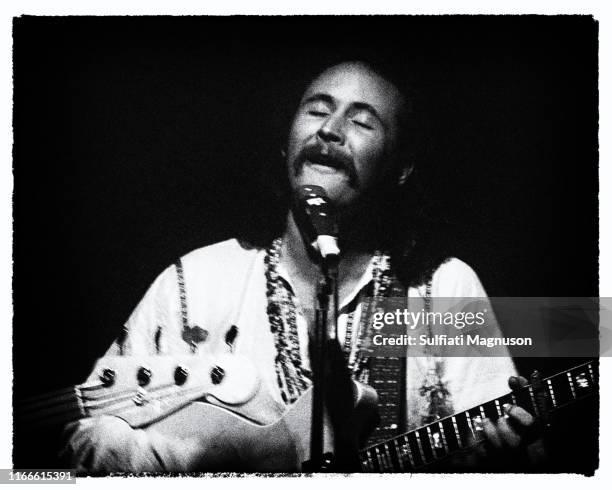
[[331, 131]]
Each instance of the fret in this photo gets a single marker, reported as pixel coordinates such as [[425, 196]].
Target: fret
[[561, 388], [401, 462], [379, 459], [406, 451], [452, 438], [368, 463], [436, 441], [383, 464], [475, 421], [425, 449], [387, 458], [591, 373], [582, 381], [525, 399], [551, 392], [416, 449], [490, 410], [498, 409], [394, 456], [571, 384], [443, 435], [469, 421], [428, 436], [534, 403], [464, 428]]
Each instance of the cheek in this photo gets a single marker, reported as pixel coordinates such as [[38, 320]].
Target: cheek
[[292, 144], [292, 149], [370, 160], [301, 128]]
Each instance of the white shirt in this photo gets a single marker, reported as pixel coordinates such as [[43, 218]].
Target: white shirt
[[225, 285]]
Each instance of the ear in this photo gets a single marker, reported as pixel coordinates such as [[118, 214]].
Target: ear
[[405, 172]]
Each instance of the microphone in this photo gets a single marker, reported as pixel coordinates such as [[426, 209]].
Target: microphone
[[320, 220]]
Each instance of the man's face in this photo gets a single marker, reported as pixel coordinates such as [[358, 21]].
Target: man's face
[[344, 133]]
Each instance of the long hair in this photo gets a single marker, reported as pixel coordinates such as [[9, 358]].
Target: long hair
[[407, 224]]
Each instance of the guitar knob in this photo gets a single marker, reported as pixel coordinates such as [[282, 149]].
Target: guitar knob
[[144, 376], [216, 375], [180, 375], [107, 377]]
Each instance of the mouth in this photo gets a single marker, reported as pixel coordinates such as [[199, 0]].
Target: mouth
[[325, 164]]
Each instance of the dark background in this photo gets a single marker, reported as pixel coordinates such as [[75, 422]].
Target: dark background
[[140, 139]]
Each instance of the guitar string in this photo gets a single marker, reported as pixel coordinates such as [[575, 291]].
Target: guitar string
[[46, 396], [449, 452], [522, 390], [51, 397], [93, 404], [115, 399], [69, 393], [55, 394], [50, 401], [474, 442], [78, 412], [159, 397]]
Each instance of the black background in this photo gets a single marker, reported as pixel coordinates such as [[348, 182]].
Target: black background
[[140, 139]]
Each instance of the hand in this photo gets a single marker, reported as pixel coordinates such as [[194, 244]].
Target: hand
[[509, 444], [511, 437], [507, 431], [105, 444]]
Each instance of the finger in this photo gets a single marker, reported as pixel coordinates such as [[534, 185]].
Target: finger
[[491, 433], [507, 434], [520, 415], [517, 382]]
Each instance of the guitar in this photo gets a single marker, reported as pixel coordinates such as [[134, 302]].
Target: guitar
[[224, 399]]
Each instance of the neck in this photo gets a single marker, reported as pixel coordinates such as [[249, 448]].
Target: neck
[[303, 263]]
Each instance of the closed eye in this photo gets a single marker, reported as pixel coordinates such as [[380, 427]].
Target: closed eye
[[317, 113], [362, 124]]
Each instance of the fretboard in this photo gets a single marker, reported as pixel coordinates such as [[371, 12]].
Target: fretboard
[[433, 442]]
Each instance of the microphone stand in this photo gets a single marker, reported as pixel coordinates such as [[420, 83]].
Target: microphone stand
[[327, 289], [329, 370]]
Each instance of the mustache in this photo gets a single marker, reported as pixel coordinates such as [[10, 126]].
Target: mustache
[[326, 155]]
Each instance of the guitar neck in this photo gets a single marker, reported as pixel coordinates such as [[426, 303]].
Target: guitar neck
[[421, 447]]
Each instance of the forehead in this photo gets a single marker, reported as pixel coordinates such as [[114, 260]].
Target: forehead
[[350, 83]]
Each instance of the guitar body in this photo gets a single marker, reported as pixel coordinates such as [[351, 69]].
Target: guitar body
[[232, 442], [213, 410]]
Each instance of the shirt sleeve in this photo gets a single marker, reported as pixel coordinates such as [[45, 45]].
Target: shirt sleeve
[[160, 307], [472, 379]]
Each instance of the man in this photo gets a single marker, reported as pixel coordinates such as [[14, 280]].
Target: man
[[257, 302]]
